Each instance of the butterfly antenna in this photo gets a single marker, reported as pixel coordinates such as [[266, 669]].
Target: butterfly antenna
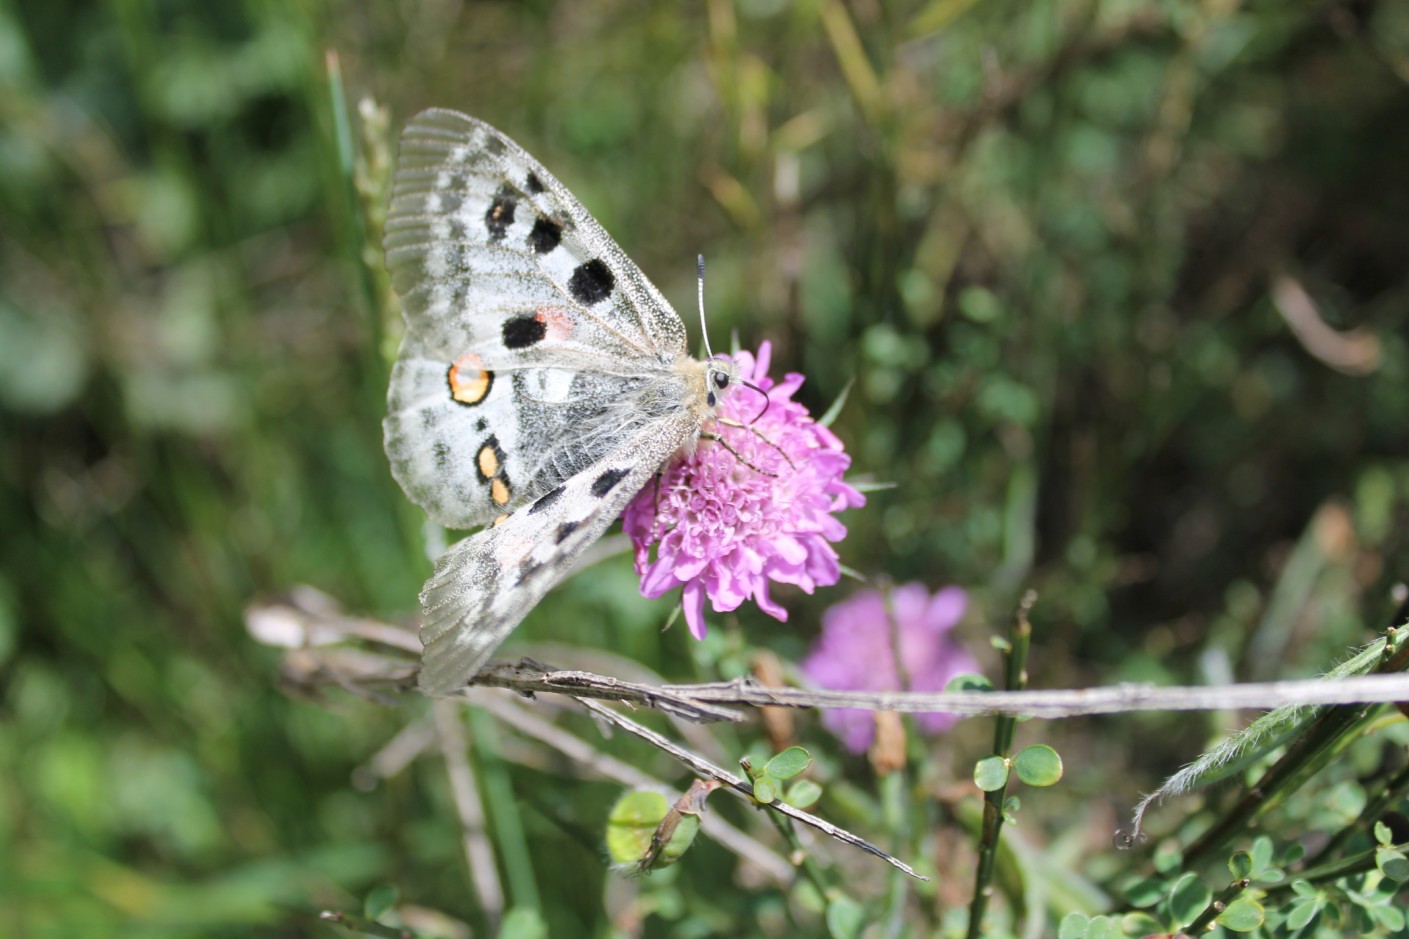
[[704, 330]]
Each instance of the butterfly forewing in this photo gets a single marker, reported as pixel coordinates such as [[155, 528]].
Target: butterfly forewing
[[525, 322], [542, 379]]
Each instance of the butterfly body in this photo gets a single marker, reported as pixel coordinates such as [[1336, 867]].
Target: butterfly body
[[542, 381]]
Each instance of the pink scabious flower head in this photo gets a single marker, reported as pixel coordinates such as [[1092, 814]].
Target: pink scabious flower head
[[723, 525], [862, 641]]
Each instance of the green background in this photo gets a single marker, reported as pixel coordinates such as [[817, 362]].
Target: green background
[[1061, 248]]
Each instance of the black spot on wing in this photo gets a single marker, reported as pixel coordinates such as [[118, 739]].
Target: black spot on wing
[[534, 184], [591, 282], [546, 235], [481, 425], [606, 482], [565, 529], [523, 331], [441, 454], [500, 214], [545, 500]]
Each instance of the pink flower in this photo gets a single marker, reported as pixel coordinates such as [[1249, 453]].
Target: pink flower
[[723, 528], [860, 645]]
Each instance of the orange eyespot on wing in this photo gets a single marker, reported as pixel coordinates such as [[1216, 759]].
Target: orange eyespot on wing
[[499, 490], [469, 383]]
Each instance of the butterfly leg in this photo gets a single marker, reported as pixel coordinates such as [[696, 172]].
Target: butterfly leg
[[753, 430], [705, 435]]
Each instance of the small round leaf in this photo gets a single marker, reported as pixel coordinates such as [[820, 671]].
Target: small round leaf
[[765, 790], [1073, 926], [845, 917], [1146, 892], [802, 794], [1038, 765], [632, 824], [1393, 864], [1240, 865], [791, 762], [1242, 915], [991, 773], [1188, 898], [968, 682]]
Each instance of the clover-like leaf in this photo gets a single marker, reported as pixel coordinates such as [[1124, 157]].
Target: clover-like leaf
[[845, 917], [1038, 765], [1393, 864], [803, 794], [968, 681], [765, 790], [1073, 926], [1188, 898], [991, 773], [1146, 891], [1244, 914], [791, 762], [1240, 865]]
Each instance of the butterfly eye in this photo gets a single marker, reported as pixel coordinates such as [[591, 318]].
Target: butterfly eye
[[721, 379]]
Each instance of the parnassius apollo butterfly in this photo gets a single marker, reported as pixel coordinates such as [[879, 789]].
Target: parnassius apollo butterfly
[[542, 381]]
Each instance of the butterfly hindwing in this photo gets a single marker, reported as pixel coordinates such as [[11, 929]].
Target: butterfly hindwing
[[484, 586], [525, 322]]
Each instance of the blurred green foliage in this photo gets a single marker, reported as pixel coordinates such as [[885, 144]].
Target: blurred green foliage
[[1122, 284]]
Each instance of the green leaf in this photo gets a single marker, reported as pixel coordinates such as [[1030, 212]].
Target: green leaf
[[680, 840], [1382, 834], [1140, 924], [1038, 765], [1188, 898], [802, 794], [991, 773], [834, 411], [845, 917], [523, 922], [632, 824], [1242, 915], [1073, 926], [1169, 861], [1146, 892], [791, 762], [1261, 854], [379, 901], [1393, 864], [1240, 865], [765, 790], [1303, 911], [1390, 917], [1103, 927], [968, 682]]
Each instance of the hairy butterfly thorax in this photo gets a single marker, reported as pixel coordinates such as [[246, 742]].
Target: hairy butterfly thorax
[[542, 381]]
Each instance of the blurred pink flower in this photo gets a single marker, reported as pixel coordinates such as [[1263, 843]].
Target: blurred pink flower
[[723, 529], [857, 652]]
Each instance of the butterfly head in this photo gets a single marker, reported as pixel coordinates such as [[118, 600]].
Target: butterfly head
[[720, 374]]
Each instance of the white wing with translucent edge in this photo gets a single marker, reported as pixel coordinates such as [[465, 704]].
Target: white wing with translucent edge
[[525, 322]]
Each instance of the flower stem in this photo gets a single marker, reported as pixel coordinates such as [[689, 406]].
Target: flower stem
[[1015, 679]]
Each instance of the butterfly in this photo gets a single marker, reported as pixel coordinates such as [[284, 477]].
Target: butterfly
[[541, 383]]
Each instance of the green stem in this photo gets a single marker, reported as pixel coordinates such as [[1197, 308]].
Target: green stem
[[1015, 661], [1217, 906]]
